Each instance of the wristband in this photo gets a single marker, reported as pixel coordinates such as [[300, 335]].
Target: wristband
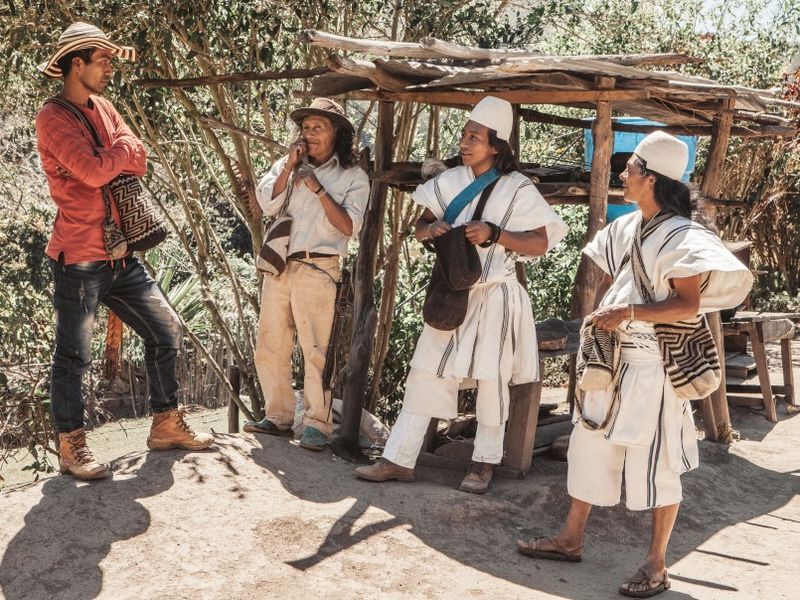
[[320, 192], [493, 236], [632, 312]]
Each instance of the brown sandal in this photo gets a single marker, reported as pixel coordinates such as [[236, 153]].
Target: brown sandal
[[640, 578], [534, 550]]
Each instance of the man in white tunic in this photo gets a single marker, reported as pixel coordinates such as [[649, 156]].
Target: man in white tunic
[[325, 193], [496, 343], [638, 426]]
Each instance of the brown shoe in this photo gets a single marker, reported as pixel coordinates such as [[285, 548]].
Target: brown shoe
[[384, 470], [478, 479], [75, 458], [170, 430]]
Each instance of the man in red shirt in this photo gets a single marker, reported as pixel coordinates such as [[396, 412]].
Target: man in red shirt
[[84, 275]]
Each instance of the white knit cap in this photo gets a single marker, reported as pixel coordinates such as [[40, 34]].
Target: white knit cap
[[665, 154], [494, 113]]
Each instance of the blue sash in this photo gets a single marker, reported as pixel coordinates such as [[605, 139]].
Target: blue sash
[[466, 195]]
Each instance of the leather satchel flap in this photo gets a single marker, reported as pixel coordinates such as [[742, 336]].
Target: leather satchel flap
[[461, 266]]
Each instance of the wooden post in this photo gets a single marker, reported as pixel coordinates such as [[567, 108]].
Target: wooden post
[[513, 141], [712, 176], [234, 376], [788, 374], [344, 441], [762, 368], [588, 276], [719, 398]]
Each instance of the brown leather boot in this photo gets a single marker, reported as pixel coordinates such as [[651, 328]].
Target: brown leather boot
[[478, 479], [75, 458], [384, 470], [170, 430]]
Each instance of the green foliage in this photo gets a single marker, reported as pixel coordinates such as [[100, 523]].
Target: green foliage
[[551, 276]]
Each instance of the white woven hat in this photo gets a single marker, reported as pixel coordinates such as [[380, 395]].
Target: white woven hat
[[665, 154], [494, 113], [79, 36]]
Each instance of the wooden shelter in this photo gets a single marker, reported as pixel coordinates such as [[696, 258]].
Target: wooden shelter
[[439, 73]]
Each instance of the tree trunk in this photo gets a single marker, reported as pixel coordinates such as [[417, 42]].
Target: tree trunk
[[344, 441]]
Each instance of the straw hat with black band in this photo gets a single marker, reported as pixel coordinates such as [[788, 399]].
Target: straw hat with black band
[[80, 36], [323, 107]]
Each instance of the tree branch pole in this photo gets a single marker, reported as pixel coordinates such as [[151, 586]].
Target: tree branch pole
[[588, 274], [231, 78], [344, 441]]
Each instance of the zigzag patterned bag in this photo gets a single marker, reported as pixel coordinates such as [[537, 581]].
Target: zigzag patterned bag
[[687, 347], [142, 227], [598, 357], [271, 259]]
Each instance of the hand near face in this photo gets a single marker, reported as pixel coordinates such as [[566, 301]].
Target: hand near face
[[297, 150], [609, 317], [477, 232]]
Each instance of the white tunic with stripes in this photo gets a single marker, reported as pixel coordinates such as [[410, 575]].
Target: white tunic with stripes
[[497, 340], [677, 248]]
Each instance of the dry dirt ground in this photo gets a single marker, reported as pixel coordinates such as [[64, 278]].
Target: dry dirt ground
[[260, 517]]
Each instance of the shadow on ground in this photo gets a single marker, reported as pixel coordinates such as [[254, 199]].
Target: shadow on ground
[[66, 536], [481, 531]]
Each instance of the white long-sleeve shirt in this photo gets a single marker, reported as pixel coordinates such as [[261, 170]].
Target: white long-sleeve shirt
[[311, 229]]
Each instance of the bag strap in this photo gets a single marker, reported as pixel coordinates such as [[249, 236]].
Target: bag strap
[[76, 112], [466, 195], [487, 191]]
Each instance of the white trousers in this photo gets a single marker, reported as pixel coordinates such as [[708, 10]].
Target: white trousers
[[408, 433], [596, 468]]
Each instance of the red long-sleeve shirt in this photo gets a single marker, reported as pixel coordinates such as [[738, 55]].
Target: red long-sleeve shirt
[[76, 171]]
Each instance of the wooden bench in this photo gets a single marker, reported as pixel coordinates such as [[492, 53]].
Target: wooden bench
[[759, 328], [523, 420]]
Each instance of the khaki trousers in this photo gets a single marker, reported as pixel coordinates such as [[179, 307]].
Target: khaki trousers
[[301, 301]]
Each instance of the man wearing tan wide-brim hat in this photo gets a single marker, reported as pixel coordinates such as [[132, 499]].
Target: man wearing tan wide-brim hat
[[323, 190], [84, 145]]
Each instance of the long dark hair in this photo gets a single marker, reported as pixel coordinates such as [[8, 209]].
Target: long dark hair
[[671, 195], [344, 145], [506, 162]]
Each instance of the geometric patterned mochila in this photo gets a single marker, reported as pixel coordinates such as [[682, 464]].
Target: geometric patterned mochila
[[142, 225]]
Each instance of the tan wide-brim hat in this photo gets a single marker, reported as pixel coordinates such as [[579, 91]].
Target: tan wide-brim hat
[[322, 107], [80, 36]]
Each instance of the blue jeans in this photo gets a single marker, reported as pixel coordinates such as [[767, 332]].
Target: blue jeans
[[126, 289]]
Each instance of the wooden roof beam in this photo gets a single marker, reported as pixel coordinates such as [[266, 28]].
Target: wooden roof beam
[[457, 51], [535, 116], [366, 69], [312, 37], [513, 96], [232, 78], [645, 60]]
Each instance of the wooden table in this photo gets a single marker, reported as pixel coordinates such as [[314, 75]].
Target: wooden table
[[759, 328]]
